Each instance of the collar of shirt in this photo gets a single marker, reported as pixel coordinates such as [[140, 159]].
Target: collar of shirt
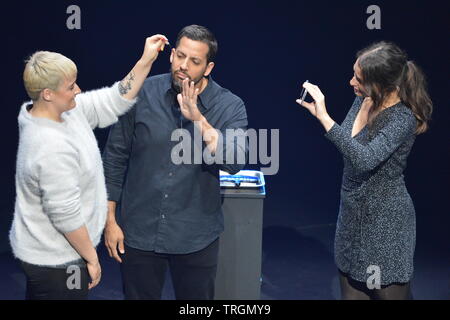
[[205, 97]]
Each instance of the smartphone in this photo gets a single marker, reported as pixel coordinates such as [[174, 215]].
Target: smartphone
[[303, 94]]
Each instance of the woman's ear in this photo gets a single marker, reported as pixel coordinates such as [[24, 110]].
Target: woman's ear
[[46, 95]]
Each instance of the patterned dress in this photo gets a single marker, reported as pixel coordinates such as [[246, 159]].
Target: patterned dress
[[376, 224]]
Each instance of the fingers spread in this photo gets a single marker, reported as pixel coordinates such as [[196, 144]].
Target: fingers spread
[[191, 90], [180, 100], [185, 87]]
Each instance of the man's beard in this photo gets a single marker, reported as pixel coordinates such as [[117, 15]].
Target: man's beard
[[177, 84]]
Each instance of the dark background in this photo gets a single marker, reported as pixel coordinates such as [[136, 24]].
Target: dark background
[[266, 50]]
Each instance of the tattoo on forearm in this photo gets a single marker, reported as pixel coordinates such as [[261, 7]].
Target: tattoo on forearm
[[125, 84]]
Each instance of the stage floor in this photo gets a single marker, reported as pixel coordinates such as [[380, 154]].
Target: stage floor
[[297, 265]]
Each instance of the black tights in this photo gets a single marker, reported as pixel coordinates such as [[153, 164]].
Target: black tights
[[355, 290]]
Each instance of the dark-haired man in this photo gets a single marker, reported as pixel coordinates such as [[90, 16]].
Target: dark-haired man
[[170, 212]]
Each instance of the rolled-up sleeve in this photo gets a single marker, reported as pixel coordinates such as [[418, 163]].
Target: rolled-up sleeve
[[234, 139]]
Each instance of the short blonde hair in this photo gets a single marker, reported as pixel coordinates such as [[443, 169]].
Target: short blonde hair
[[45, 69]]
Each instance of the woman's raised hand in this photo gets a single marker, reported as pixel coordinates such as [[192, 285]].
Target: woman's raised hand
[[153, 45], [317, 108]]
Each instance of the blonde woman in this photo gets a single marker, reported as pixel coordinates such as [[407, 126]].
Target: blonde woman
[[61, 202]]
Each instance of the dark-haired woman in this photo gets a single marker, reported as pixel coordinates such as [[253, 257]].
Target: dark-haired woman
[[375, 233]]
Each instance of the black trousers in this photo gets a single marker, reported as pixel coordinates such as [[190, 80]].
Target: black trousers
[[44, 283], [193, 275]]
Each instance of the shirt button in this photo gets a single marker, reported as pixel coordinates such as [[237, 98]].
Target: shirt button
[[166, 196], [170, 174], [163, 216]]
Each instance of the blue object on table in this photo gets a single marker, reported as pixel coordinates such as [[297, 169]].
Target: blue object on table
[[244, 179], [238, 179]]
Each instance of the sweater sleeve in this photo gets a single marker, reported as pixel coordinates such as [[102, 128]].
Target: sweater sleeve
[[365, 158], [102, 107], [58, 176]]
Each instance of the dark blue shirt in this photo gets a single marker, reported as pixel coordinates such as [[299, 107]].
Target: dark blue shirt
[[167, 207]]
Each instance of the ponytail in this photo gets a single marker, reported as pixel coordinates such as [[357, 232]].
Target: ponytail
[[413, 93]]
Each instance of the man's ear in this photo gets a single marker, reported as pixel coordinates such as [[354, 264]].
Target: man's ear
[[209, 68], [46, 95], [172, 53]]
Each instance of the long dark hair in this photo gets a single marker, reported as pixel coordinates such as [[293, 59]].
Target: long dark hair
[[385, 68]]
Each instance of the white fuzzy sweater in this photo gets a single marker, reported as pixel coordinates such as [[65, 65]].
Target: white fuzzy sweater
[[60, 184]]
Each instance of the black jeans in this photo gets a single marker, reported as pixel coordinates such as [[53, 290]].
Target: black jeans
[[193, 275], [45, 283]]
